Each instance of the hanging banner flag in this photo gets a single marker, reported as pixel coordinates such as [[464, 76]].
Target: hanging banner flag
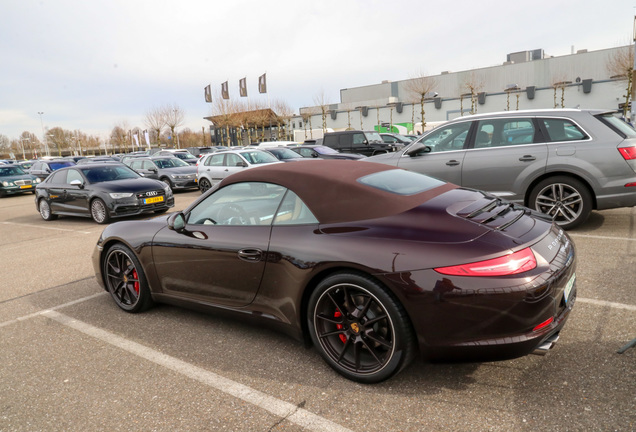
[[147, 138], [136, 137], [225, 93], [262, 84], [208, 93], [243, 87]]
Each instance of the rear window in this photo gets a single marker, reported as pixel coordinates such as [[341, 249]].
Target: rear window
[[619, 126], [401, 182]]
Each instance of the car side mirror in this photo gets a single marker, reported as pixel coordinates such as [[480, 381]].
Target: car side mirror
[[241, 164], [418, 149], [153, 170], [365, 142], [177, 222], [78, 183]]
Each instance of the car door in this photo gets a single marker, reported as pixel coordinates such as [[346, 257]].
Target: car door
[[56, 193], [224, 243], [506, 156], [443, 153], [76, 192]]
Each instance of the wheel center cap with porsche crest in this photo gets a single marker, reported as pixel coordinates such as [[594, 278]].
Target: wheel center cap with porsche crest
[[355, 327]]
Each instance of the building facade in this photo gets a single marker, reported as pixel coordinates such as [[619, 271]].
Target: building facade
[[526, 80]]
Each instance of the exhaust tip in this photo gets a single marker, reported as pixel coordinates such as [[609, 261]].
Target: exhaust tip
[[546, 346]]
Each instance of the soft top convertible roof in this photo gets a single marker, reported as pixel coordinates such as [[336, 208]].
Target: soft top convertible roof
[[331, 189]]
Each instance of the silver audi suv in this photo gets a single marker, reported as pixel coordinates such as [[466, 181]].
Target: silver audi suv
[[562, 162]]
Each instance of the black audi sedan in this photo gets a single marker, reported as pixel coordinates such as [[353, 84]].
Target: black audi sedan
[[370, 263], [100, 191]]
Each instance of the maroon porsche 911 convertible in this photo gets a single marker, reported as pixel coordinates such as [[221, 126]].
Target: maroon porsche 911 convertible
[[372, 264]]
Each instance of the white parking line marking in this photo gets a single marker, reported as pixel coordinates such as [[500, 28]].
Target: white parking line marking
[[606, 303], [47, 227], [285, 410]]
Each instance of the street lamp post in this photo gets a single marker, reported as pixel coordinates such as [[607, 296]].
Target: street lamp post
[[46, 145]]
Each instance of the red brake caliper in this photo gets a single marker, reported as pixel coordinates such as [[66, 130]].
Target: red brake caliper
[[342, 337], [136, 284]]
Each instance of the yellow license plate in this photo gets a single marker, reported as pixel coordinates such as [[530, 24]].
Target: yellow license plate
[[26, 187], [153, 200]]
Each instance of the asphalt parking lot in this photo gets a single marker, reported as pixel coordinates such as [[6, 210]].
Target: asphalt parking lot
[[70, 360]]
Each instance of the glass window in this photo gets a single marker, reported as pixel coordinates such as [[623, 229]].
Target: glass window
[[233, 160], [562, 130], [215, 160], [74, 175], [401, 182], [451, 137], [293, 211], [358, 138], [619, 125], [57, 178], [248, 203], [504, 132], [258, 157]]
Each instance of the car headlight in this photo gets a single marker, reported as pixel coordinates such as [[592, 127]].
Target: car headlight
[[167, 189], [7, 183], [37, 180], [120, 195]]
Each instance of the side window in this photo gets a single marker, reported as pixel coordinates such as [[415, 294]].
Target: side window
[[215, 160], [37, 166], [248, 203], [232, 160], [563, 130], [57, 178], [358, 138], [135, 164], [451, 137], [73, 175], [504, 132], [293, 211], [305, 152]]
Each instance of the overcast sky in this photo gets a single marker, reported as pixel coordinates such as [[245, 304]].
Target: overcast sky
[[93, 64]]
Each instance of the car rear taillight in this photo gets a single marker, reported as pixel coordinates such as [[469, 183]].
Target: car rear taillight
[[543, 324], [514, 263], [628, 153]]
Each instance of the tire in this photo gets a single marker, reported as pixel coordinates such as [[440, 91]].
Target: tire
[[167, 181], [204, 185], [45, 210], [360, 330], [565, 199], [99, 211], [125, 279]]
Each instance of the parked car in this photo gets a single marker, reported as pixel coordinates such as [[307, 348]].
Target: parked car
[[100, 191], [171, 170], [216, 166], [393, 138], [99, 159], [200, 151], [561, 162], [373, 266], [184, 155], [284, 154], [14, 180], [323, 152], [42, 168], [366, 143]]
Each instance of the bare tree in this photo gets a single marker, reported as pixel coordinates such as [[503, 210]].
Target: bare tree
[[155, 121], [473, 84], [283, 115], [620, 66], [174, 117], [323, 105], [422, 88]]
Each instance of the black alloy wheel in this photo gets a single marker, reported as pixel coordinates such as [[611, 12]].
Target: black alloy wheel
[[204, 185], [125, 279], [359, 328], [566, 200], [45, 210], [99, 212]]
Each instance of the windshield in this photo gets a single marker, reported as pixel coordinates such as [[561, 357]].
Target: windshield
[[325, 150], [284, 154], [109, 173], [373, 137], [57, 165], [184, 155], [170, 163], [259, 157], [10, 171]]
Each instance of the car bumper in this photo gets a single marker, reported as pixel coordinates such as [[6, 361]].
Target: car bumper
[[12, 190], [184, 183], [480, 318], [137, 208]]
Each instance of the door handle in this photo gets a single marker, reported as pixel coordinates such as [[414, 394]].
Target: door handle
[[452, 162], [527, 158], [250, 255]]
